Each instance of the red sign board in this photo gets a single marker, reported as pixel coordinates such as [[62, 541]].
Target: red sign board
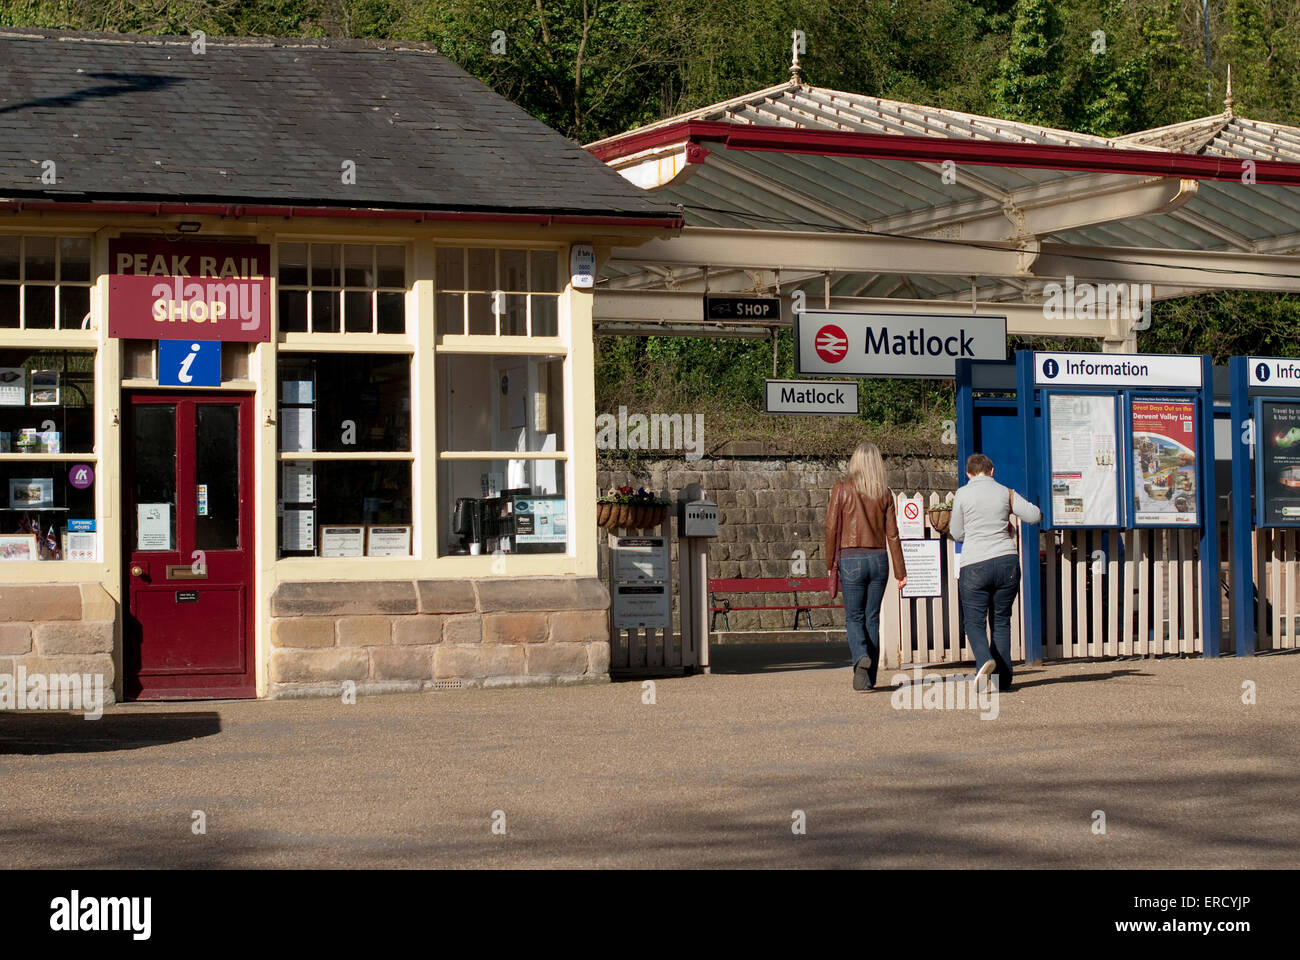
[[165, 290]]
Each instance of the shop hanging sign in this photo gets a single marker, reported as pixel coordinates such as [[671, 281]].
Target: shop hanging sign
[[160, 290], [1164, 463]]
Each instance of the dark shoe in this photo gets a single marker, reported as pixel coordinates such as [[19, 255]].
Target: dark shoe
[[862, 674]]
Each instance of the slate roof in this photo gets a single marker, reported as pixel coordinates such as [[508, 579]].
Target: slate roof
[[271, 121]]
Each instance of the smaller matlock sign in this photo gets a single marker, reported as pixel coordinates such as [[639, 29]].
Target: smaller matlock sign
[[812, 397]]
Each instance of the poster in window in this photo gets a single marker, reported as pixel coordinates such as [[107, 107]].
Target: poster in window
[[300, 483], [342, 541], [45, 388], [1081, 439], [298, 530], [1278, 450], [153, 526], [296, 435], [19, 546], [1164, 463], [541, 520], [388, 541], [28, 493], [81, 546], [13, 387]]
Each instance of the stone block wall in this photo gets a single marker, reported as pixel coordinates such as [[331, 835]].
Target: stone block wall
[[58, 629], [771, 506], [403, 635]]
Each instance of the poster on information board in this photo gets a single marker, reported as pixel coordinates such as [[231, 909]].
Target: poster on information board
[[1081, 444], [1278, 450], [1164, 463]]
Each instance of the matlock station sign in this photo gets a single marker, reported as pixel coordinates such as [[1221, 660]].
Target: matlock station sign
[[894, 345]]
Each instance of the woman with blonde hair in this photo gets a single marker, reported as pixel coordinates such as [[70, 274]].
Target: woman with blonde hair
[[861, 526]]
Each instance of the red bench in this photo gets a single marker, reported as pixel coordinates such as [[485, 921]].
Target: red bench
[[792, 585]]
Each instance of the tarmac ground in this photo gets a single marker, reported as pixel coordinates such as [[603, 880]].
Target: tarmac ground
[[770, 761]]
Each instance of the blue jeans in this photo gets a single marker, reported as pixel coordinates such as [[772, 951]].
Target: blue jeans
[[987, 590], [863, 581]]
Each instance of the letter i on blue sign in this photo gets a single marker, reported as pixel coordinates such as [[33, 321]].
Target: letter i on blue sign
[[189, 363]]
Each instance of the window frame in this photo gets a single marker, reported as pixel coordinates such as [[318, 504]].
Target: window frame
[[21, 283], [503, 345], [311, 335]]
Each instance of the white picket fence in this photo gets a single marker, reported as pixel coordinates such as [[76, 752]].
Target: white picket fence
[[928, 629], [1118, 594], [1277, 612]]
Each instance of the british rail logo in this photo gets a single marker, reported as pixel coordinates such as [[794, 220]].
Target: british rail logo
[[831, 343]]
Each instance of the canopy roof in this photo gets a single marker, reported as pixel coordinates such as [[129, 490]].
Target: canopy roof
[[929, 204]]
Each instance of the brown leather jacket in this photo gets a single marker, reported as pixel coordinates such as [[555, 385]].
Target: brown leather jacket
[[852, 521]]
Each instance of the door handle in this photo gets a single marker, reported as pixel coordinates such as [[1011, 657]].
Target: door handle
[[137, 571]]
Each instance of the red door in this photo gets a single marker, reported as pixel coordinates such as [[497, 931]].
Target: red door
[[188, 539]]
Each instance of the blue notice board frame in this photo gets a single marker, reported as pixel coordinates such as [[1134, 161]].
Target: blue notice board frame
[[1131, 474], [1045, 444]]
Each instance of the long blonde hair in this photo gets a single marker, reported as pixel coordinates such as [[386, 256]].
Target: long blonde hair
[[867, 472]]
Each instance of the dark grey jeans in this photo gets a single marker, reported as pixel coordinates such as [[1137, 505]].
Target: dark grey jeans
[[987, 590]]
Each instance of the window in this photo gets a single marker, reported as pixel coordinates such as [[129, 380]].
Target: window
[[495, 406], [48, 464], [345, 455], [44, 283], [498, 292], [342, 288]]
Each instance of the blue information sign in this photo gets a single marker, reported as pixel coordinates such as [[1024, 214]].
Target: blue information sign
[[189, 363]]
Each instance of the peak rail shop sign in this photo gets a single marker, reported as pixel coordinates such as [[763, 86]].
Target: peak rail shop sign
[[894, 345]]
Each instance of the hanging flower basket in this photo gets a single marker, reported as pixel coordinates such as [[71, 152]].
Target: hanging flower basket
[[622, 509], [941, 517]]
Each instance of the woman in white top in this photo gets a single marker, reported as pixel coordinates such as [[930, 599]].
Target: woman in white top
[[990, 566]]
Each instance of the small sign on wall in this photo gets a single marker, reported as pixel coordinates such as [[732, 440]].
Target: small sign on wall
[[924, 569], [911, 518], [582, 266], [641, 605]]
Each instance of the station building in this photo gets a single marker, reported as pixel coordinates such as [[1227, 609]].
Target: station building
[[296, 369]]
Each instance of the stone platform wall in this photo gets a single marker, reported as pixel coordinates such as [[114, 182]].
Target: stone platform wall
[[58, 629], [403, 635], [771, 506]]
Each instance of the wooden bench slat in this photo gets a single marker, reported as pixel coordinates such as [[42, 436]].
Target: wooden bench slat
[[770, 585]]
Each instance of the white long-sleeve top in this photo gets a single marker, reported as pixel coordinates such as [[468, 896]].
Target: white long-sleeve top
[[980, 512]]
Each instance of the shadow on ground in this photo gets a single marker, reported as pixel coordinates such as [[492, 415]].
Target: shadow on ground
[[771, 657], [34, 733]]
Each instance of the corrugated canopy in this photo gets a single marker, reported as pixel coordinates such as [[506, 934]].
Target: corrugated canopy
[[1221, 194]]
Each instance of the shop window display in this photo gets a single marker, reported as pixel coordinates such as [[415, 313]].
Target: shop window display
[[345, 404], [48, 465]]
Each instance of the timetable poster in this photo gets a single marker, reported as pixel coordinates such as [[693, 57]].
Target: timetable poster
[[1278, 450], [1085, 488], [1164, 462]]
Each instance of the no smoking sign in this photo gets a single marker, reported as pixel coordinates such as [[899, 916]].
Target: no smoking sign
[[911, 526]]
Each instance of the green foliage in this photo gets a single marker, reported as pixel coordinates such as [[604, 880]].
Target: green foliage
[[1224, 324]]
